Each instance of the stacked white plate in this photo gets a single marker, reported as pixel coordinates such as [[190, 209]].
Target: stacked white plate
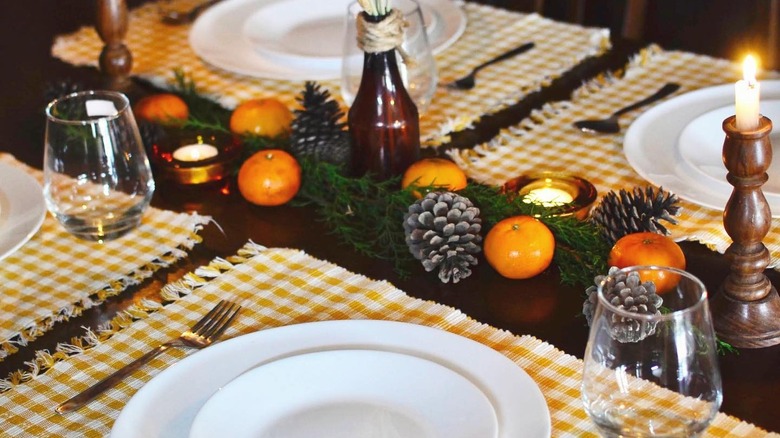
[[678, 145], [340, 378], [296, 39], [22, 208]]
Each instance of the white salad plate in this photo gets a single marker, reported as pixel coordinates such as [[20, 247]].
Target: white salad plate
[[405, 378], [678, 145], [22, 208], [302, 32], [235, 35], [348, 394]]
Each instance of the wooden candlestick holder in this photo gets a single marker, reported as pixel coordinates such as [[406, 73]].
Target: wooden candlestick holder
[[746, 311], [115, 60]]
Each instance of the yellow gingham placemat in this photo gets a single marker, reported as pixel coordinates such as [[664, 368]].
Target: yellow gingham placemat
[[55, 276], [158, 49], [548, 141], [280, 287]]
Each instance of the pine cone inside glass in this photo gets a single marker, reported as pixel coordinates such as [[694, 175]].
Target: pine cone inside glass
[[442, 230], [640, 210], [318, 130], [625, 292]]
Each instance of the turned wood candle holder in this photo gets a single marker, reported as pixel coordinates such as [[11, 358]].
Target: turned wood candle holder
[[115, 59], [746, 311]]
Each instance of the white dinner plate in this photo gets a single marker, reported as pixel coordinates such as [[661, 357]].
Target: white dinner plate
[[167, 405], [678, 145], [22, 208], [302, 33], [217, 37], [348, 394]]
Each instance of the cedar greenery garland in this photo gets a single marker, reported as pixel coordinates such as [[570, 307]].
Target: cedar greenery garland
[[368, 215]]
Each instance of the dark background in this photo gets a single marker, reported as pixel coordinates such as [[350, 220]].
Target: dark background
[[721, 28]]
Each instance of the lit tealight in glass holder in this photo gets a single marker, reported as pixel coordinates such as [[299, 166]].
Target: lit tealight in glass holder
[[195, 152], [569, 195], [195, 158]]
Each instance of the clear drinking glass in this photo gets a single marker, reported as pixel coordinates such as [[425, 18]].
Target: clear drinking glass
[[419, 78], [652, 375], [97, 179]]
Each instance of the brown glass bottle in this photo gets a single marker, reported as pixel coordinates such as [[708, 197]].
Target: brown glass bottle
[[383, 120]]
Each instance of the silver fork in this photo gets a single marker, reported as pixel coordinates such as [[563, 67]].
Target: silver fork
[[469, 81], [201, 335]]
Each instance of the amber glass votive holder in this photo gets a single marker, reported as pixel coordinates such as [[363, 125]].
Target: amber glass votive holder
[[195, 159], [568, 195]]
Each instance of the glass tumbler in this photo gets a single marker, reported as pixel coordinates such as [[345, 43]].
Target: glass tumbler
[[419, 76], [652, 375], [97, 179]]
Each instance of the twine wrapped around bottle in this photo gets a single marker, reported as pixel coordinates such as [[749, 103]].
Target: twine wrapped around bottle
[[384, 35]]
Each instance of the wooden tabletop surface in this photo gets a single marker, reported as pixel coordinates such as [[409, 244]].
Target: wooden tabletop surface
[[541, 306]]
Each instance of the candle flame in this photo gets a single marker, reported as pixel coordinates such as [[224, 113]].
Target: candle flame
[[749, 68]]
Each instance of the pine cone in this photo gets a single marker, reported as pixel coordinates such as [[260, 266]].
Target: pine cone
[[56, 89], [618, 215], [629, 293], [442, 230], [151, 133], [317, 130]]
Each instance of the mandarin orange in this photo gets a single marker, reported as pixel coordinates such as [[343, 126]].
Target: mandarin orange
[[262, 117], [519, 247], [269, 177], [164, 108], [649, 249], [438, 172]]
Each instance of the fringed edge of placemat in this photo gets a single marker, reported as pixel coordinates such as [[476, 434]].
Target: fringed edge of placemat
[[550, 110], [443, 133], [44, 359]]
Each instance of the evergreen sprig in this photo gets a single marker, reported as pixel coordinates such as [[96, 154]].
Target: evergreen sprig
[[363, 213], [205, 114]]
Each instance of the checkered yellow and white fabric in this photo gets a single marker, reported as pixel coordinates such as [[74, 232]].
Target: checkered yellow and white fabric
[[158, 49], [548, 141], [281, 287], [55, 276]]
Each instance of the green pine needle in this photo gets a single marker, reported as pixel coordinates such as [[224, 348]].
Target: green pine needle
[[363, 213]]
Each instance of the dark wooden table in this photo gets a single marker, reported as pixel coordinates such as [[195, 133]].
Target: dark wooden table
[[541, 306]]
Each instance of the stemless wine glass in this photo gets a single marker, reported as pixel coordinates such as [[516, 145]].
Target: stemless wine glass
[[652, 375], [419, 76], [97, 179]]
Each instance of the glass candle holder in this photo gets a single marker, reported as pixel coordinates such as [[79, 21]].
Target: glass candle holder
[[195, 159], [569, 195]]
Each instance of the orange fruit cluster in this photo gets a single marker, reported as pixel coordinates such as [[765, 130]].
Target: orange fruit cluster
[[519, 247], [269, 177], [649, 249], [262, 117]]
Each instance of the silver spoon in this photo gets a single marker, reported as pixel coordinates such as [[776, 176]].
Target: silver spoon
[[467, 82], [610, 124], [174, 17]]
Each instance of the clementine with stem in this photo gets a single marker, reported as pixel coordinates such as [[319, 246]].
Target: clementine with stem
[[649, 249], [519, 247]]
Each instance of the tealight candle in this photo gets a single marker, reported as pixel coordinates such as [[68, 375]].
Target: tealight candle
[[195, 158], [569, 195], [747, 97], [549, 197], [195, 152]]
